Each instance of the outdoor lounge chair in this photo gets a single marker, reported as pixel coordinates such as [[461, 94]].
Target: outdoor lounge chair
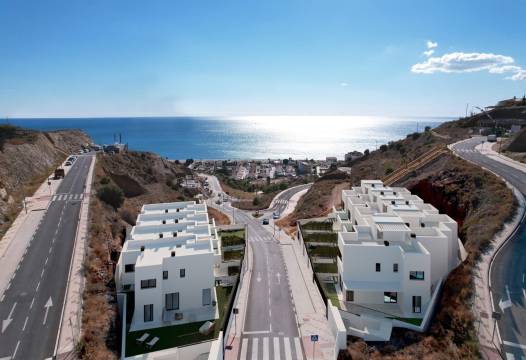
[[152, 342], [142, 339]]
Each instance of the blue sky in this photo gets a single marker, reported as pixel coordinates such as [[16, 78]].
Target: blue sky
[[272, 57]]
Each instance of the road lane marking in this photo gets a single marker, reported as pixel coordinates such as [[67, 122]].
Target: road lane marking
[[516, 345], [244, 349], [16, 349], [255, 343], [32, 302], [47, 258], [42, 273], [297, 346], [256, 332], [277, 355], [49, 304], [265, 349], [6, 322], [25, 323], [288, 352]]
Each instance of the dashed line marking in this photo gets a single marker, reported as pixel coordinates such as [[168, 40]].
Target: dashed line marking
[[38, 285], [42, 273], [32, 302], [16, 348], [25, 323]]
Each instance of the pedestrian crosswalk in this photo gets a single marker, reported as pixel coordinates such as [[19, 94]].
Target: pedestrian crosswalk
[[282, 201], [281, 348], [67, 197], [466, 150]]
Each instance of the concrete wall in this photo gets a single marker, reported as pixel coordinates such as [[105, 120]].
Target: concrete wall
[[337, 328]]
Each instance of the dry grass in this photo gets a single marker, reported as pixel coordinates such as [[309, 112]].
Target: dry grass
[[219, 217]]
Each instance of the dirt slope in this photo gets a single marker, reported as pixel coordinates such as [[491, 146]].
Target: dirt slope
[[27, 158]]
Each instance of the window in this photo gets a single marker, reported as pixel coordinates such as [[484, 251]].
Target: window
[[182, 273], [172, 301], [148, 312], [349, 295], [149, 283], [390, 297], [207, 297], [395, 267], [129, 268], [165, 274], [416, 275], [417, 304], [378, 267]]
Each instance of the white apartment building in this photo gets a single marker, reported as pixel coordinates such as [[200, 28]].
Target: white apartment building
[[395, 249], [168, 261]]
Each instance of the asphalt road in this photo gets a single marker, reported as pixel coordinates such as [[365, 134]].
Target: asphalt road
[[270, 329], [31, 307], [508, 272]]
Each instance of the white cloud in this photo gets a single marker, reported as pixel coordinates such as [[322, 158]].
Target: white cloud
[[428, 53], [459, 62], [431, 45], [344, 84]]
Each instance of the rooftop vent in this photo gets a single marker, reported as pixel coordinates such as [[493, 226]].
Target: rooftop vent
[[407, 224], [177, 210], [173, 253], [392, 202], [142, 248], [386, 243], [166, 211], [174, 234], [413, 235], [372, 185], [422, 225], [381, 192], [160, 235], [176, 221], [164, 221], [394, 192], [407, 202]]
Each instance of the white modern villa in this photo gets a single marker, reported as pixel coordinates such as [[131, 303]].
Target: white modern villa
[[395, 250], [168, 261]]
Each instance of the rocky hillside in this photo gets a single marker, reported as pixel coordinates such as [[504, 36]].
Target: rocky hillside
[[27, 158]]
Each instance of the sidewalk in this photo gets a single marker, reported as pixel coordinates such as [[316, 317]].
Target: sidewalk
[[483, 304], [23, 230], [309, 306], [71, 319]]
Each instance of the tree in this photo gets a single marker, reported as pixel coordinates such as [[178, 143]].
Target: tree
[[383, 148], [256, 201], [285, 162], [366, 152], [427, 129], [111, 195], [189, 161]]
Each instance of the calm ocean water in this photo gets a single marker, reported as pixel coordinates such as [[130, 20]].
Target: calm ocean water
[[243, 137]]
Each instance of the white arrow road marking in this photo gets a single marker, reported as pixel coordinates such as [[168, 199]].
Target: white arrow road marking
[[259, 277], [504, 304], [49, 304], [6, 322], [279, 277]]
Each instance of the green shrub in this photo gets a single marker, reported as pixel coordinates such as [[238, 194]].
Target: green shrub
[[105, 180], [388, 170], [111, 195]]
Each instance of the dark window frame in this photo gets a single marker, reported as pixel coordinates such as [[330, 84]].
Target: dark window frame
[[148, 283], [395, 267], [182, 273], [417, 275], [128, 266], [378, 267], [165, 274], [149, 312], [393, 297]]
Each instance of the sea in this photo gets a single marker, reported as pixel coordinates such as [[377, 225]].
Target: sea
[[248, 137]]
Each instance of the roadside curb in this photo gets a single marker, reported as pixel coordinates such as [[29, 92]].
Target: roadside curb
[[498, 244]]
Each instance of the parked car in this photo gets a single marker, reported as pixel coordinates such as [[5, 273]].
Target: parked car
[[68, 163], [275, 215], [265, 221]]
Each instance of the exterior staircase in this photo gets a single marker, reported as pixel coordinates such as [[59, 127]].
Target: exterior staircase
[[417, 163]]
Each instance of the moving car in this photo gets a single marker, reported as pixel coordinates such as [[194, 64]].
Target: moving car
[[275, 215], [265, 221]]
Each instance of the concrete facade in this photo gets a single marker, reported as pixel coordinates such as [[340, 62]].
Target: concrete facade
[[169, 261], [395, 249]]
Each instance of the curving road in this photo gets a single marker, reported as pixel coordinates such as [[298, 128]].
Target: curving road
[[270, 330], [508, 272]]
